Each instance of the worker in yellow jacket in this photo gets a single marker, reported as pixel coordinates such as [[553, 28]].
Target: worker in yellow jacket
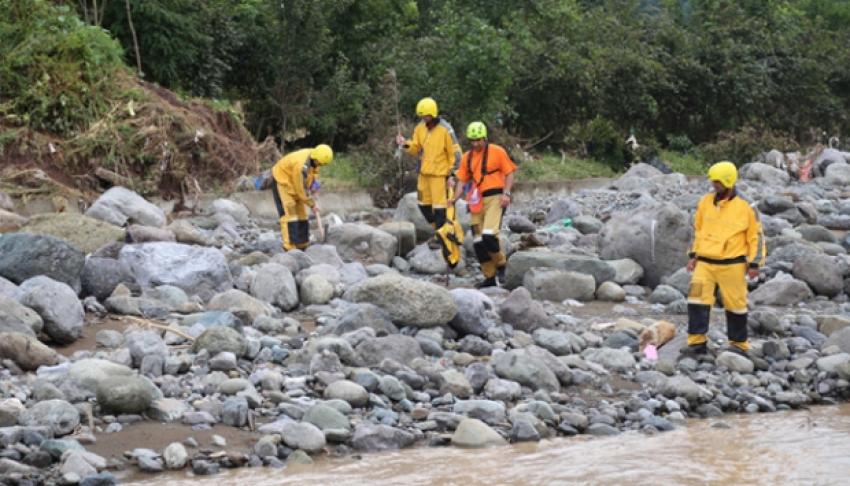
[[728, 247], [296, 179], [435, 144]]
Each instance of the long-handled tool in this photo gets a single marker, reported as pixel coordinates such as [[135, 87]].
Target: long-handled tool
[[319, 226]]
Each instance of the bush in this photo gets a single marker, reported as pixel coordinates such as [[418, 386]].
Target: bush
[[56, 72], [599, 139], [744, 145], [680, 143]]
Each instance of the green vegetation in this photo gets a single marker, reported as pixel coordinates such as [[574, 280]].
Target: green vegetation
[[688, 164], [554, 167]]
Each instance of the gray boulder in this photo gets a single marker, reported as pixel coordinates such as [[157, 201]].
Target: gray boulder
[[408, 301], [15, 317], [120, 206], [58, 415], [521, 262], [656, 237], [357, 316], [197, 270], [376, 437], [771, 176], [240, 304], [26, 351], [145, 343], [347, 391], [23, 256], [362, 242], [840, 338], [524, 313], [821, 272], [235, 210], [610, 292], [519, 366], [837, 174], [58, 306], [326, 418], [473, 433], [610, 358], [472, 309], [404, 232], [558, 342], [559, 285], [127, 394], [220, 339], [304, 436], [315, 289], [403, 349], [87, 374], [101, 275], [626, 271], [664, 294], [782, 290]]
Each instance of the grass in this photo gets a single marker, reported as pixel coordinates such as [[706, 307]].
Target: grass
[[552, 167], [340, 173], [687, 164]]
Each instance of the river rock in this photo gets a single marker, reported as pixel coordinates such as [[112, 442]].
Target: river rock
[[82, 232], [404, 232], [683, 386], [656, 237], [119, 206], [145, 343], [771, 176], [58, 306], [326, 418], [15, 317], [403, 349], [126, 394], [626, 271], [220, 339], [559, 343], [473, 433], [610, 358], [558, 285], [664, 294], [472, 309], [455, 382], [375, 437], [274, 283], [831, 363], [347, 391], [304, 436], [197, 270], [523, 312], [234, 412], [782, 290], [735, 362], [490, 412], [175, 456], [610, 292], [23, 256], [241, 304], [838, 174], [320, 254], [357, 316], [26, 351], [89, 373], [522, 261], [11, 222], [362, 242], [528, 370], [408, 301], [408, 210], [839, 338], [145, 234], [315, 289], [101, 275], [821, 273], [58, 415]]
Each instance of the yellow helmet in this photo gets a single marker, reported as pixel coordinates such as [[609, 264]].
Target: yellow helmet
[[723, 172], [322, 154], [426, 106]]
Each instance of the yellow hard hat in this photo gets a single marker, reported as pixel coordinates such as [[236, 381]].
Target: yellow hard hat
[[322, 154], [723, 172], [426, 106]]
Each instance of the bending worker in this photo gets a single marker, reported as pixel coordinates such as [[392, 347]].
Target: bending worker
[[435, 144], [489, 171], [296, 178], [728, 247]]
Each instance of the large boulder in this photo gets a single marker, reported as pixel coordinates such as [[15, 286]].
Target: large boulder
[[88, 373], [559, 285], [58, 306], [408, 210], [473, 433], [197, 270], [782, 290], [241, 304], [84, 233], [23, 255], [821, 272], [26, 351], [127, 394], [58, 415], [771, 176], [233, 209], [408, 301], [101, 275], [526, 369], [404, 232], [219, 339], [378, 437], [120, 206], [357, 316], [626, 271], [356, 241], [523, 312], [523, 261], [403, 349], [304, 436], [837, 174], [656, 237], [15, 317], [472, 309]]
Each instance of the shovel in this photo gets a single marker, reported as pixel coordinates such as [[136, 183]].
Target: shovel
[[320, 226]]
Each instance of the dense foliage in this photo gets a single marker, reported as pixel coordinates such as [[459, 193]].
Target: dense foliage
[[676, 72]]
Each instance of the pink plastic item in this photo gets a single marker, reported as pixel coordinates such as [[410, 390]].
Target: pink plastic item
[[651, 352]]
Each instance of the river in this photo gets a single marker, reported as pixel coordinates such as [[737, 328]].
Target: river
[[810, 447]]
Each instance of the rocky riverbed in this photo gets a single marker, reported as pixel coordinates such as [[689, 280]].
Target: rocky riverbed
[[136, 340]]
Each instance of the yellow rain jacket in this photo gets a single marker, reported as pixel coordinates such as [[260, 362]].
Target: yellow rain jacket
[[437, 148], [728, 230], [296, 176]]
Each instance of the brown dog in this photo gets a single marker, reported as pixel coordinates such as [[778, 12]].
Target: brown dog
[[657, 334]]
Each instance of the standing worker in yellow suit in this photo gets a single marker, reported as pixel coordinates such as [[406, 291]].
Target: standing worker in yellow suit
[[728, 247], [435, 144], [296, 179], [489, 171]]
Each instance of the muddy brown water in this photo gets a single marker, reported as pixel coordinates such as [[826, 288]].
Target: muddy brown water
[[809, 447]]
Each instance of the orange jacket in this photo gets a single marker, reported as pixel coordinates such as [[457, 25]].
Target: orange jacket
[[499, 165]]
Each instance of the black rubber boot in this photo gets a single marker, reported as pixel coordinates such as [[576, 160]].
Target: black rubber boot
[[487, 282], [695, 351]]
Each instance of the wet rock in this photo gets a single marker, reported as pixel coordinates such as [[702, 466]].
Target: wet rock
[[473, 433], [362, 242], [408, 301], [127, 394], [26, 351], [357, 316], [303, 436], [520, 263], [24, 256], [559, 285], [524, 313], [58, 415], [58, 306], [175, 456], [119, 206], [371, 438]]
